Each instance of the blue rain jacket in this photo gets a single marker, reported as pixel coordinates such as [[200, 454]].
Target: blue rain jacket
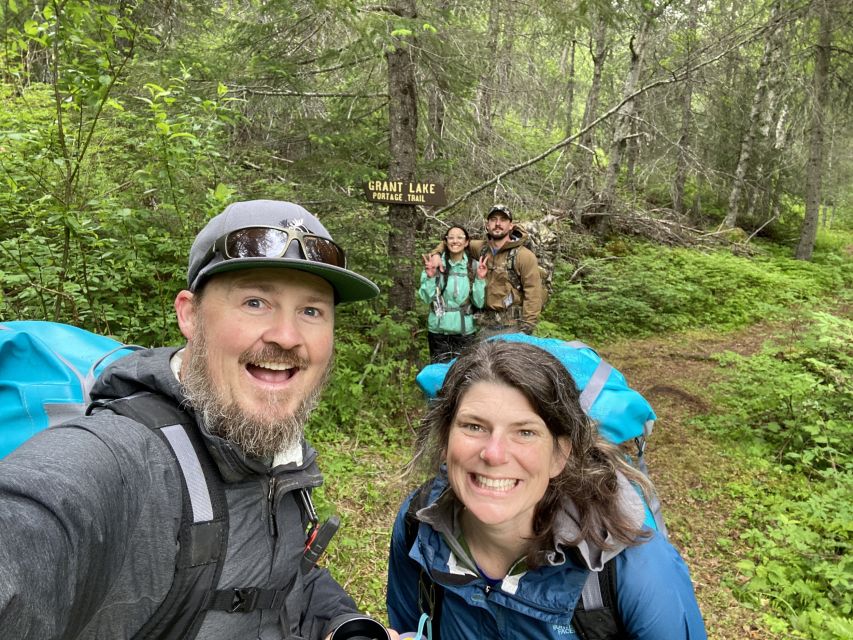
[[654, 592]]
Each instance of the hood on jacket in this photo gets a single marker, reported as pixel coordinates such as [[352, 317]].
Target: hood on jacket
[[566, 528]]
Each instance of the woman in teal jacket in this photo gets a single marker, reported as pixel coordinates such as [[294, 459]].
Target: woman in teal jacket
[[528, 504], [452, 293]]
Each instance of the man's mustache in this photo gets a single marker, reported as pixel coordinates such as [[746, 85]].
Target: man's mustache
[[276, 354]]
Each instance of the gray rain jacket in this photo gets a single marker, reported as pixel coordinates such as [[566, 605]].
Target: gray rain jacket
[[89, 519]]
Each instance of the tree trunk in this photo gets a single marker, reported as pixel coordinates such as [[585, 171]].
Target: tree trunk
[[756, 117], [633, 147], [403, 124], [582, 167], [814, 169], [488, 79], [686, 117], [570, 85], [625, 118]]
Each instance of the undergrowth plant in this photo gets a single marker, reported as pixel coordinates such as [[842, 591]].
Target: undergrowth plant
[[790, 409], [650, 289]]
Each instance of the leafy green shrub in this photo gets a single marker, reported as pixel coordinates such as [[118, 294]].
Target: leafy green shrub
[[365, 398], [790, 408], [797, 400], [109, 255], [656, 289]]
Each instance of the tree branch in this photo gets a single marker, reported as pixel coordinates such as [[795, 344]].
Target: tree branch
[[267, 91], [675, 76]]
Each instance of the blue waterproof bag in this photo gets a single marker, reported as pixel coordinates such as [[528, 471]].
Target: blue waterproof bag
[[46, 372], [622, 413]]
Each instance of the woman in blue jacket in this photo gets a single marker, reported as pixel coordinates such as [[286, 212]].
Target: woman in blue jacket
[[528, 502], [452, 292]]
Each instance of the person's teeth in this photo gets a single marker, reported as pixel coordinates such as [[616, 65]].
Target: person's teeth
[[275, 366], [495, 483]]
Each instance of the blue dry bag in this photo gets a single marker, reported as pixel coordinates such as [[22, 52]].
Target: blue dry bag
[[622, 413], [46, 372]]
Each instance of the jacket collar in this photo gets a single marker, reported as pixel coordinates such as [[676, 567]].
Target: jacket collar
[[442, 514]]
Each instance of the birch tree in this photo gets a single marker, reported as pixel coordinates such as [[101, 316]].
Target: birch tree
[[581, 168], [683, 149], [749, 140], [625, 117]]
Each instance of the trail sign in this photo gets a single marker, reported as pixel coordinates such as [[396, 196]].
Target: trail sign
[[404, 192]]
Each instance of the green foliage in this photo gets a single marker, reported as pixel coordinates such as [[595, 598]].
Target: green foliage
[[103, 199], [654, 289], [365, 398], [790, 408], [798, 400]]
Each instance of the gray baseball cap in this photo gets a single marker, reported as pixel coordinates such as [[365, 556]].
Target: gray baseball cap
[[206, 258]]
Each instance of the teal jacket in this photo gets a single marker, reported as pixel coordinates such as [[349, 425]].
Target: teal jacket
[[457, 299]]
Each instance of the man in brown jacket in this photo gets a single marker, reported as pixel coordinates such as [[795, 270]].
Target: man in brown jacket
[[513, 285]]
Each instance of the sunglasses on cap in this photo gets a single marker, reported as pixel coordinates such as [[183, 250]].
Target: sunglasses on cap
[[272, 242]]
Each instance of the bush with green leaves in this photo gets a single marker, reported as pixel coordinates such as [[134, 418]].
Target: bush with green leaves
[[652, 289], [109, 252], [790, 408]]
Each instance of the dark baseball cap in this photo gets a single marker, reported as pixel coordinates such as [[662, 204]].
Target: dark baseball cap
[[499, 208], [246, 225]]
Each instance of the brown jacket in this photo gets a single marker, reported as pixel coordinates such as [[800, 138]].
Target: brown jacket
[[500, 294]]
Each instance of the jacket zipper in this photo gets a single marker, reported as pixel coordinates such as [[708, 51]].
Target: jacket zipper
[[273, 526]]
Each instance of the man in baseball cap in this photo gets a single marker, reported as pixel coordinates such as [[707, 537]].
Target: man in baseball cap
[[151, 553], [499, 209], [269, 233]]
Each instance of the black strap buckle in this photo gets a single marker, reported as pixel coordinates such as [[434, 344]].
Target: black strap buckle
[[244, 600]]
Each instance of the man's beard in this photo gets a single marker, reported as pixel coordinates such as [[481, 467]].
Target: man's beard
[[497, 235], [262, 433]]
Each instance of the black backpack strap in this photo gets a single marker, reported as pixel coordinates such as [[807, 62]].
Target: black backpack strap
[[596, 615], [245, 599], [418, 502], [203, 533], [430, 594]]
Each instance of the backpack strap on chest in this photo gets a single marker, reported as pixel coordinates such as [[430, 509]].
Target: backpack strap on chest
[[203, 532], [430, 594], [511, 271], [596, 615]]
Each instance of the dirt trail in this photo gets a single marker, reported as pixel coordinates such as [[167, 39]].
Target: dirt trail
[[674, 374]]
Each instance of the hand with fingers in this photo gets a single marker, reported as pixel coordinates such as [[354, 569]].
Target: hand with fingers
[[429, 265], [482, 267]]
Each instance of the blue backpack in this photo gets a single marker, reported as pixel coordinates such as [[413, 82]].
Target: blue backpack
[[47, 370], [621, 413]]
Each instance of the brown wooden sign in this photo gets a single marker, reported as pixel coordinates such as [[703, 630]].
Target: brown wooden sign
[[403, 192]]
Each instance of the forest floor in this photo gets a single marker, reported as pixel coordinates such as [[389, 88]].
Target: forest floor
[[689, 468]]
